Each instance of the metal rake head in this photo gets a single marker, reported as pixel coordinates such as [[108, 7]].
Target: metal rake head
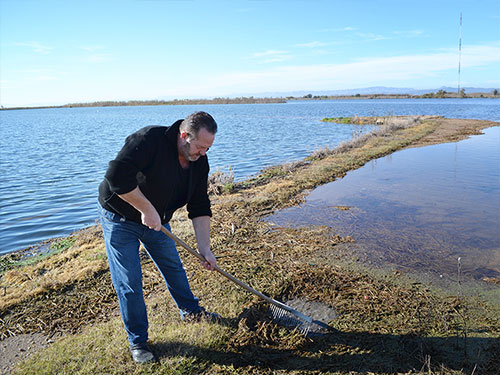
[[291, 319]]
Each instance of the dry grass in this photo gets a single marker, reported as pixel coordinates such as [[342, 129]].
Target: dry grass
[[386, 127], [221, 182], [81, 261]]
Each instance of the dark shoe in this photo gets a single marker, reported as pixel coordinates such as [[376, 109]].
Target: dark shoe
[[201, 316], [141, 353]]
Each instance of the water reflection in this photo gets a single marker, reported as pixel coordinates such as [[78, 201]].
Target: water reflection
[[418, 208]]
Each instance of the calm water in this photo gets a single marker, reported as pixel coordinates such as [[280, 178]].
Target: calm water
[[419, 208], [52, 160]]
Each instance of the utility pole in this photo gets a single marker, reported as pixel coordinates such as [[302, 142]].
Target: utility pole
[[459, 53]]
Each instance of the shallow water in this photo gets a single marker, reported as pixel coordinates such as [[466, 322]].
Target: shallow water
[[419, 209]]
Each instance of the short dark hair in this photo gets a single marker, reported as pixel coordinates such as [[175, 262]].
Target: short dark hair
[[197, 120]]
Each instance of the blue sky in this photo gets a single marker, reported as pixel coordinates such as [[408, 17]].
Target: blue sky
[[58, 52]]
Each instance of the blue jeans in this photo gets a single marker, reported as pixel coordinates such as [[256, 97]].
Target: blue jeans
[[122, 239]]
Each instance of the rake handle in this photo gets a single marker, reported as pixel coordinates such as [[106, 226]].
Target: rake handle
[[226, 274]]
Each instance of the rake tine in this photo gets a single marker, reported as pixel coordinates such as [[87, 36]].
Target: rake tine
[[306, 330]]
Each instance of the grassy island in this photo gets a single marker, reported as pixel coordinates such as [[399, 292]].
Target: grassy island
[[386, 324]]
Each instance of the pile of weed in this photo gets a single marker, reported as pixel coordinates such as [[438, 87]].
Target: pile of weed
[[77, 258]]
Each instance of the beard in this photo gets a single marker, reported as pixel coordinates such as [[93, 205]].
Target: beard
[[185, 150]]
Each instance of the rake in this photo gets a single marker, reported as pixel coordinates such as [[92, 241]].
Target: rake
[[281, 313]]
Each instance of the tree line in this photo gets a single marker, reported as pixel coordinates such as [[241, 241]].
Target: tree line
[[239, 100]]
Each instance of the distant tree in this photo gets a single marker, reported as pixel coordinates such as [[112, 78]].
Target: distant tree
[[462, 93], [308, 96], [440, 94], [495, 92]]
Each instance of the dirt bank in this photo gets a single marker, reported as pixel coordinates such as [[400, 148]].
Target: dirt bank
[[382, 327]]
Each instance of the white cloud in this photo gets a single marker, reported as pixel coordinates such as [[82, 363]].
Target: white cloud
[[276, 59], [36, 75], [42, 78], [92, 48], [271, 56], [404, 70], [429, 70], [371, 36], [35, 46], [96, 54], [7, 84], [99, 58], [409, 33], [269, 53], [338, 29], [312, 44]]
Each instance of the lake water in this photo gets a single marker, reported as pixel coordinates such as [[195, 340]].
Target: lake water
[[417, 209], [52, 160]]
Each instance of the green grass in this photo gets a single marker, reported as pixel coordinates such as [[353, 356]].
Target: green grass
[[182, 348], [62, 244], [16, 260], [338, 120]]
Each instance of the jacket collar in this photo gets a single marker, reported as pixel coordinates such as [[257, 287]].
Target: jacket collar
[[172, 132]]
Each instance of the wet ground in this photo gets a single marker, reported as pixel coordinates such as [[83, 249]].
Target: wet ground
[[432, 210]]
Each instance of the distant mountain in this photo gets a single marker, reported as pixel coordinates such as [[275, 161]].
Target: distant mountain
[[368, 91]]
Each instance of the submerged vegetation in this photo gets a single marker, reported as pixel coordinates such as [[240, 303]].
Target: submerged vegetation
[[386, 322]]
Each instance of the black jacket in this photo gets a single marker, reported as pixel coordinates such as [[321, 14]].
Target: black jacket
[[149, 159]]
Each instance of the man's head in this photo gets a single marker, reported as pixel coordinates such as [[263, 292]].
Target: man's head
[[197, 120], [196, 135]]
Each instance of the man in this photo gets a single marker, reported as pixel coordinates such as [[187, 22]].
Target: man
[[158, 170]]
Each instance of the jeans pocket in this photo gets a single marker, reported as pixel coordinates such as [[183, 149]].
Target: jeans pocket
[[111, 216]]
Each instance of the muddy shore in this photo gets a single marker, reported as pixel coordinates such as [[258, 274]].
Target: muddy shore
[[62, 294]]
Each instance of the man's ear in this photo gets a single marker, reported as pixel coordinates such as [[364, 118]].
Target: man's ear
[[184, 135]]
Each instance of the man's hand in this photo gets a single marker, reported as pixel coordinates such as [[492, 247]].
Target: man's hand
[[210, 262], [201, 226], [149, 215], [151, 219]]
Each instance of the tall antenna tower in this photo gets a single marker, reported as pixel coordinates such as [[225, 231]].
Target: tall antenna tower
[[459, 53]]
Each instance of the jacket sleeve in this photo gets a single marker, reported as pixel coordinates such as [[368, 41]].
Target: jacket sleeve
[[199, 203], [134, 157]]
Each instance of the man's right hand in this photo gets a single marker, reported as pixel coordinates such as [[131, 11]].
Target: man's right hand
[[149, 215], [151, 220]]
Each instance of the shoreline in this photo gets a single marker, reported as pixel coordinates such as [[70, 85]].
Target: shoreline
[[264, 100], [248, 249]]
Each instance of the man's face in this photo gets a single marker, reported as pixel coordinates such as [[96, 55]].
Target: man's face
[[191, 148]]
